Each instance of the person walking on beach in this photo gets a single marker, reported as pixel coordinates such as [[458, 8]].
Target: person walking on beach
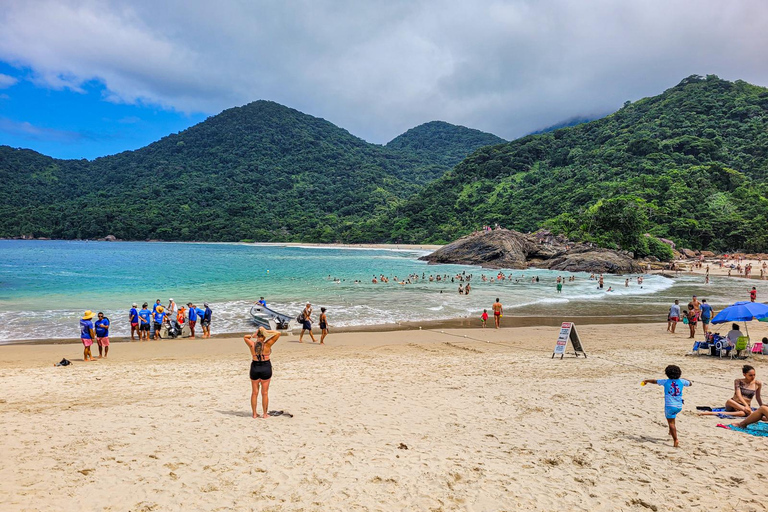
[[324, 325], [673, 396], [484, 317], [205, 321], [102, 334], [133, 318], [673, 317], [498, 310], [144, 319], [306, 323], [753, 294], [87, 335], [191, 319], [260, 344]]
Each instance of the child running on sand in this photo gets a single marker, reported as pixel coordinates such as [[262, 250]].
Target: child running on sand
[[484, 317], [673, 396]]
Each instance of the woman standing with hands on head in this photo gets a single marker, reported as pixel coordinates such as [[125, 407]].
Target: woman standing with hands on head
[[260, 343]]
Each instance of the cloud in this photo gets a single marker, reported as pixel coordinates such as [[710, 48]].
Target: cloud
[[30, 131], [7, 81], [379, 68]]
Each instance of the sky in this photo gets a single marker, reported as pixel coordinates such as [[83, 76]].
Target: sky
[[88, 78]]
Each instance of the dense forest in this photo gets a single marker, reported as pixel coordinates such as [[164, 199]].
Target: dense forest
[[690, 165], [262, 172]]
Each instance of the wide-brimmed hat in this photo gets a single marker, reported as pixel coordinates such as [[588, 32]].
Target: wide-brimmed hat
[[88, 315], [160, 309], [135, 305]]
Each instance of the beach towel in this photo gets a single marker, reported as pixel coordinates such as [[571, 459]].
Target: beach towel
[[759, 429]]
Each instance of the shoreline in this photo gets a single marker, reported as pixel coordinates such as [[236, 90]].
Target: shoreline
[[404, 247], [455, 323]]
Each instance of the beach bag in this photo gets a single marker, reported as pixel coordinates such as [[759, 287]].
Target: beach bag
[[685, 320], [300, 318]]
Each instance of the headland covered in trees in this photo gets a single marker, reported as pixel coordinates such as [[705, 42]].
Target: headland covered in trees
[[689, 165]]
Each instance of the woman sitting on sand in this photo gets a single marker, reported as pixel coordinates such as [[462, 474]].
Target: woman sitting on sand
[[743, 391], [261, 366]]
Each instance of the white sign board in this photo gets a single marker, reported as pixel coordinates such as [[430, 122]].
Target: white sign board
[[568, 333]]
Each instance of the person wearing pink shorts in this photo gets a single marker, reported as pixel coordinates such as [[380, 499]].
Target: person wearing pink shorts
[[102, 335], [87, 335]]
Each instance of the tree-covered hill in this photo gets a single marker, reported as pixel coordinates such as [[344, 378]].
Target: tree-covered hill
[[262, 171], [443, 142], [690, 164]]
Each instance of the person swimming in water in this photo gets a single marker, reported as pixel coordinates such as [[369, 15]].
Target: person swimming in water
[[260, 346]]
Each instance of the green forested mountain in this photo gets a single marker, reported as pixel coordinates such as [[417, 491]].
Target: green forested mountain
[[263, 172], [442, 142], [690, 164]]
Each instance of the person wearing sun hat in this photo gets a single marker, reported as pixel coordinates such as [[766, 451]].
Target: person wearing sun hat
[[158, 320], [87, 335]]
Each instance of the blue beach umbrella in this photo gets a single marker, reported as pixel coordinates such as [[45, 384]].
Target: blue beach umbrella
[[742, 312]]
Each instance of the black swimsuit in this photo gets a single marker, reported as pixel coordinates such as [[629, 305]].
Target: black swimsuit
[[261, 370]]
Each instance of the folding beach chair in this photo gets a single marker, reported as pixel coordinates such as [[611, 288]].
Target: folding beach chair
[[742, 345], [757, 348]]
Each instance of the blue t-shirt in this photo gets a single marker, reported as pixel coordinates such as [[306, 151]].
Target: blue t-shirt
[[159, 317], [192, 315], [144, 315], [200, 313], [102, 328], [155, 306], [134, 316], [85, 329], [673, 391], [706, 311]]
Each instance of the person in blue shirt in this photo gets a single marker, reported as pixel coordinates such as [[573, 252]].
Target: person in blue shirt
[[102, 334], [706, 315], [192, 319], [144, 318], [206, 321], [87, 335], [152, 332], [262, 302], [158, 320], [673, 396], [133, 318]]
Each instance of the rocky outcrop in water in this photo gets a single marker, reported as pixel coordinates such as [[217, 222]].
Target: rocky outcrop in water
[[504, 248]]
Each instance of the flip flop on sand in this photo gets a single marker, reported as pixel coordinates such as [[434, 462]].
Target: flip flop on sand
[[727, 427], [280, 413]]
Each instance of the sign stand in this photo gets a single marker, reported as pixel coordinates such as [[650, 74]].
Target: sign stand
[[568, 332]]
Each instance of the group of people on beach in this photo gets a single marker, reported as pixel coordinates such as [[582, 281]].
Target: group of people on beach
[[172, 320], [169, 321]]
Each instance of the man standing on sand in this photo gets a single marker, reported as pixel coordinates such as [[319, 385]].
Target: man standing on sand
[[205, 321], [102, 335], [306, 323], [192, 319], [87, 335], [753, 295], [498, 309], [133, 317], [706, 315], [674, 316], [145, 316]]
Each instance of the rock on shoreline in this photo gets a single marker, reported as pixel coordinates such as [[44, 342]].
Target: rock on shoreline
[[503, 248]]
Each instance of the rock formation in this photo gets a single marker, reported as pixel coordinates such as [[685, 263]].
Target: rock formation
[[504, 248]]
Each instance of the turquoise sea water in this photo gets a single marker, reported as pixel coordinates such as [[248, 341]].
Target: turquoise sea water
[[46, 285]]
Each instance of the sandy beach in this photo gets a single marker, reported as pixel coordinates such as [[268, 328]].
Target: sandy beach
[[404, 420]]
